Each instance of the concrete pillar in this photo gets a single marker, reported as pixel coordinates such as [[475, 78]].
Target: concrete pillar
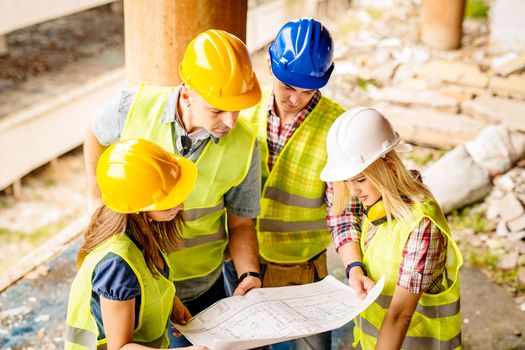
[[157, 33], [441, 22]]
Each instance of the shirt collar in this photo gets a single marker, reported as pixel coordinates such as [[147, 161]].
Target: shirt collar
[[171, 115]]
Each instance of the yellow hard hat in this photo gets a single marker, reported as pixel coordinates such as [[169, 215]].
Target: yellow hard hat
[[137, 175], [217, 66]]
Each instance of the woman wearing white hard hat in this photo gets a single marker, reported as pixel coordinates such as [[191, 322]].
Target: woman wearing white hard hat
[[402, 235]]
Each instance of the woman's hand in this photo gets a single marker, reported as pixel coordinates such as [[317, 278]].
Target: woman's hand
[[179, 315], [360, 283]]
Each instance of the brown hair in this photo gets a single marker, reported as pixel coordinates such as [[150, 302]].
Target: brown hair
[[399, 187], [150, 235]]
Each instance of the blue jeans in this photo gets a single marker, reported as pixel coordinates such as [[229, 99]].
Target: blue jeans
[[208, 298], [321, 341]]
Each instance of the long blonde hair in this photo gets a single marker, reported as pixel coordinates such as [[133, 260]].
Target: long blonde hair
[[399, 188], [150, 235]]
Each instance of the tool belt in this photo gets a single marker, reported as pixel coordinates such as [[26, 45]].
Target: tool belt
[[281, 275]]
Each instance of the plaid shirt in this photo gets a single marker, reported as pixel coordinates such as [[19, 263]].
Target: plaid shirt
[[278, 137], [424, 254]]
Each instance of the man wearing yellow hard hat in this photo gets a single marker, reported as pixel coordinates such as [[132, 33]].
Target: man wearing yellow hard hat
[[198, 120]]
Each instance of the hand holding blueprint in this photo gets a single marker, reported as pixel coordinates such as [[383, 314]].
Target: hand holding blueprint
[[269, 315]]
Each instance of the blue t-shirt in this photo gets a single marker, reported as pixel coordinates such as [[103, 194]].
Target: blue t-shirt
[[114, 279]]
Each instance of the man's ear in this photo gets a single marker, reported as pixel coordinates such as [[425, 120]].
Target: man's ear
[[269, 66], [184, 92]]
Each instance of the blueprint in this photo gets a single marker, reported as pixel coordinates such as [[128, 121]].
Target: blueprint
[[269, 315]]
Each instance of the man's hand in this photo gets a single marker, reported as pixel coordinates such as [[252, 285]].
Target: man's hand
[[247, 284]]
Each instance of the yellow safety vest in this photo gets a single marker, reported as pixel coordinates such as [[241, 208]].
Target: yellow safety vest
[[292, 225], [220, 167], [156, 299], [436, 323]]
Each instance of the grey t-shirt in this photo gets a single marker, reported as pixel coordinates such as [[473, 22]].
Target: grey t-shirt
[[242, 200]]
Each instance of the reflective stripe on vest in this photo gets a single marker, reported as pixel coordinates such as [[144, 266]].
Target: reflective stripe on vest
[[291, 227], [156, 293], [194, 214], [266, 225], [431, 311], [220, 167], [416, 343], [283, 197], [436, 322], [89, 340]]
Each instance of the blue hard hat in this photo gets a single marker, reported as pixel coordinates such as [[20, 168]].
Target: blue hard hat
[[301, 54]]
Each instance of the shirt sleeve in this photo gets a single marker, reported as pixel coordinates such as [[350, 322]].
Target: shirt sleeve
[[245, 199], [424, 258], [346, 226], [114, 279], [109, 120]]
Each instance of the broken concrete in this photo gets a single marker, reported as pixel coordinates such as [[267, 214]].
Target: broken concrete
[[498, 110]]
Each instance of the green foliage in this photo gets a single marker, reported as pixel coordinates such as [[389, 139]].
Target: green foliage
[[365, 84], [476, 9], [421, 159], [469, 217], [484, 259], [375, 13]]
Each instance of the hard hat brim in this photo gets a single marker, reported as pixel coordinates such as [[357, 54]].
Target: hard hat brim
[[234, 103], [183, 187], [300, 81]]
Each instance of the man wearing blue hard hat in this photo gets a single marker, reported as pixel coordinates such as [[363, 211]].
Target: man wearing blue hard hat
[[292, 121]]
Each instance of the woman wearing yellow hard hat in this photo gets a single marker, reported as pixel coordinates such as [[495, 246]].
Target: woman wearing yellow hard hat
[[123, 292], [403, 235]]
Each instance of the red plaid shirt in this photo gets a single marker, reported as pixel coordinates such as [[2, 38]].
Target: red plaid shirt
[[278, 137], [424, 254]]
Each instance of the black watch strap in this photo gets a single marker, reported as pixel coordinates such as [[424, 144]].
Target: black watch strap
[[249, 273], [355, 263]]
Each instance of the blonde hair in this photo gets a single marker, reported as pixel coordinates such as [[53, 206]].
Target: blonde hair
[[399, 188], [150, 235]]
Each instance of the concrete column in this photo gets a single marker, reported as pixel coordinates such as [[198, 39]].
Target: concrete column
[[441, 22], [157, 33]]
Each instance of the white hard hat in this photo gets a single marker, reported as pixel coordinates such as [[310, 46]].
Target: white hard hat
[[355, 140]]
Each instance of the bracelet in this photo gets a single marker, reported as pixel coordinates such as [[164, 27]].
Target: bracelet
[[355, 263], [249, 273]]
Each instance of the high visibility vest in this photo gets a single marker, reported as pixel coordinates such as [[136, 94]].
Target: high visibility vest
[[220, 167], [156, 299], [436, 323], [292, 225]]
